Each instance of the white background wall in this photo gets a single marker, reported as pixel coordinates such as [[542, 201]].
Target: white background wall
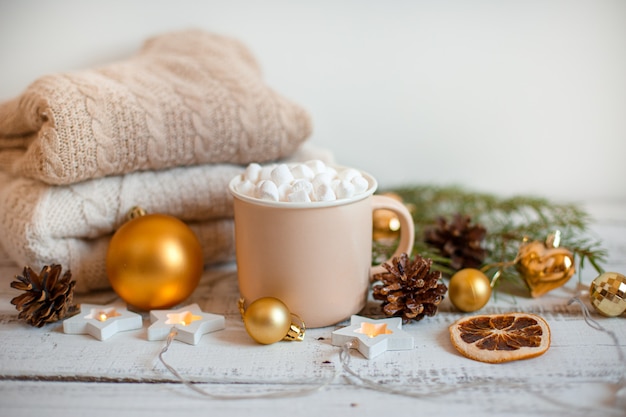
[[501, 96]]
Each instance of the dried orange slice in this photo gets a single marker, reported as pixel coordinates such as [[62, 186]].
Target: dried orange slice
[[500, 338]]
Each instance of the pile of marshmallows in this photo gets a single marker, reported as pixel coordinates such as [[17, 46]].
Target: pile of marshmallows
[[301, 182]]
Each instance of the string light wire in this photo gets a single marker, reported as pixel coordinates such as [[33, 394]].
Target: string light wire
[[430, 394], [276, 394], [355, 379], [620, 393]]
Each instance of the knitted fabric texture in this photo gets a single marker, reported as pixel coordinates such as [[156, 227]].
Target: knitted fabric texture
[[166, 130], [72, 224], [187, 98]]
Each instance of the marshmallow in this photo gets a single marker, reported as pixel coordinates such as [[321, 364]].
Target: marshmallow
[[343, 189], [299, 196], [348, 174], [281, 174], [266, 173], [325, 193], [322, 178], [252, 172], [332, 171], [283, 191], [246, 187], [360, 184], [301, 182], [267, 190], [301, 171], [316, 166], [305, 185]]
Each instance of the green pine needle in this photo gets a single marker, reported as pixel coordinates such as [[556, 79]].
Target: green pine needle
[[507, 221]]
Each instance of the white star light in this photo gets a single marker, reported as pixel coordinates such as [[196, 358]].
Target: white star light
[[374, 336], [190, 323], [102, 322]]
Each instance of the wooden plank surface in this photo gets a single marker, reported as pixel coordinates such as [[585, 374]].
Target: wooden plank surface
[[46, 372]]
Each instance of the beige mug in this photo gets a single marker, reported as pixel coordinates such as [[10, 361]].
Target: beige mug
[[316, 257]]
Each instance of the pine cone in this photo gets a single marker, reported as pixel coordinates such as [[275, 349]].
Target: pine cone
[[458, 241], [48, 297], [409, 289]]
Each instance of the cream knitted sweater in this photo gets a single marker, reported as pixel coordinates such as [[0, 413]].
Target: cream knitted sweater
[[186, 98]]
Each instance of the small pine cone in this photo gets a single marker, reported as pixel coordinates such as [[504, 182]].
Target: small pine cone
[[458, 241], [48, 296], [409, 288]]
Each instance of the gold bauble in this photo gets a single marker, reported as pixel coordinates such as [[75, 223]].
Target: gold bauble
[[267, 320], [154, 261], [469, 289], [386, 224]]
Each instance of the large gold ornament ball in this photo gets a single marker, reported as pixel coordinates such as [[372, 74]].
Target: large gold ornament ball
[[267, 320], [608, 294], [469, 289], [154, 261]]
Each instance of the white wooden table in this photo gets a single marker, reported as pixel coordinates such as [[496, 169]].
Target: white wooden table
[[44, 372]]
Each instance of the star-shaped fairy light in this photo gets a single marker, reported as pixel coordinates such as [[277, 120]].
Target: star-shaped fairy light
[[190, 324], [374, 336], [102, 322]]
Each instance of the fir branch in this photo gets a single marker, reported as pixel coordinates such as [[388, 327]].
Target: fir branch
[[508, 221]]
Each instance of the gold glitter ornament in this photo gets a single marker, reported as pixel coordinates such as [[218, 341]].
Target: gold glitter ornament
[[608, 294], [268, 320], [469, 289], [154, 261]]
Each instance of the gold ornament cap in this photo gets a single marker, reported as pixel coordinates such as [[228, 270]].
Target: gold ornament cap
[[135, 212]]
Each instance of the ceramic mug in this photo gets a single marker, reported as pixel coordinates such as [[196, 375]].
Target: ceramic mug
[[316, 257]]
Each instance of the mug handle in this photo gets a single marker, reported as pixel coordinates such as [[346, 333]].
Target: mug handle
[[407, 228]]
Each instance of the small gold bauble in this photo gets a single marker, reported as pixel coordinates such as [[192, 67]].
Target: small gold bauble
[[469, 289], [154, 261], [267, 320], [608, 294]]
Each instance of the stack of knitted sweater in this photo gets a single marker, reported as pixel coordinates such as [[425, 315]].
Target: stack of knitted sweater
[[165, 130]]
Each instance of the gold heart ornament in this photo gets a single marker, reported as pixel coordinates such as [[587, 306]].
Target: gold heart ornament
[[544, 266]]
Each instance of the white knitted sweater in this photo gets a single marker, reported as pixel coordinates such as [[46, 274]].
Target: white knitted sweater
[[72, 225]]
